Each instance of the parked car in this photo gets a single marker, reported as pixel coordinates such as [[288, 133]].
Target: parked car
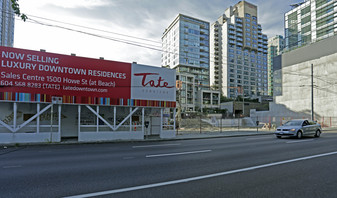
[[299, 128]]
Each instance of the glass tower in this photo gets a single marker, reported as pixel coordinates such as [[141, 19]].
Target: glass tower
[[275, 48], [310, 21], [6, 23], [185, 45]]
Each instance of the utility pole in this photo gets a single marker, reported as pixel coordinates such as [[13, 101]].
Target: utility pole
[[243, 104], [178, 86], [312, 92]]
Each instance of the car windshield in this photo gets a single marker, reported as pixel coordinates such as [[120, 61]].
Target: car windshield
[[293, 123]]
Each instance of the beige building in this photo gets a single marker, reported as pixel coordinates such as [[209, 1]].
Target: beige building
[[238, 53]]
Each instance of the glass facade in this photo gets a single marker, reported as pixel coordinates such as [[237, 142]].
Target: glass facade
[[275, 48], [185, 46], [310, 21], [6, 24]]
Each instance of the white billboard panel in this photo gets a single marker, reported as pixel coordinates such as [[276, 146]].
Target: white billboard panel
[[153, 83]]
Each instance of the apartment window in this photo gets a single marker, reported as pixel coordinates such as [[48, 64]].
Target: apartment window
[[247, 15]]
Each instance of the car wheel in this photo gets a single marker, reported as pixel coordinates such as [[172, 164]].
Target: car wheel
[[318, 133], [299, 135], [278, 136]]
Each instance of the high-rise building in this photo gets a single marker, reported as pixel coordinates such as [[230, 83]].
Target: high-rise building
[[310, 21], [275, 48], [238, 51], [185, 46], [6, 23]]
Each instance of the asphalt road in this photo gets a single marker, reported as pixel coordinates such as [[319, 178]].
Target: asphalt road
[[256, 166]]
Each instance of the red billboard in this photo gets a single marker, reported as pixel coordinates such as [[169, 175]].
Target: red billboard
[[35, 72]]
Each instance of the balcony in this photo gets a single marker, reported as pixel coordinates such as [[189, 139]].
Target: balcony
[[239, 30], [231, 37], [238, 20], [239, 44], [239, 34], [231, 27], [231, 32]]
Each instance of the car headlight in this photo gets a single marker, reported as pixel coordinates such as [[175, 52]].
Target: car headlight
[[292, 129]]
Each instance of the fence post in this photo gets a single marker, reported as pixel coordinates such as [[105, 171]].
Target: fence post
[[200, 122], [221, 124]]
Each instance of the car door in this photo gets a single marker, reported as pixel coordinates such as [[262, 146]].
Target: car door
[[313, 127], [306, 127]]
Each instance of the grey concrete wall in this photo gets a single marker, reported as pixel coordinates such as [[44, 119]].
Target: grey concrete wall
[[294, 84]]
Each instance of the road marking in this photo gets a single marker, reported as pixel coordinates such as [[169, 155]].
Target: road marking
[[259, 138], [299, 141], [13, 166], [128, 158], [183, 153], [108, 192], [155, 145]]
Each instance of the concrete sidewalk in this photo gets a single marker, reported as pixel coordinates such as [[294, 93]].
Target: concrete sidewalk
[[197, 135], [181, 135]]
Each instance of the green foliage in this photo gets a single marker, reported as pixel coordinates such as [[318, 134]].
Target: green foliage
[[225, 99], [16, 9]]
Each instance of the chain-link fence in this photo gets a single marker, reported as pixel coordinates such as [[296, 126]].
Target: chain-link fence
[[201, 123]]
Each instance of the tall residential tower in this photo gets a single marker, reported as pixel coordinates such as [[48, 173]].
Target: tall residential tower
[[6, 23], [275, 48], [310, 21], [185, 46], [238, 51]]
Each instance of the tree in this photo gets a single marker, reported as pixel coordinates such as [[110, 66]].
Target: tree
[[16, 9]]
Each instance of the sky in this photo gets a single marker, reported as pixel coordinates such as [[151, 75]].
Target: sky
[[107, 28]]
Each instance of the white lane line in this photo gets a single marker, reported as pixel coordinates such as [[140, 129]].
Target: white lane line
[[155, 145], [13, 166], [108, 192], [259, 138], [183, 153], [299, 141]]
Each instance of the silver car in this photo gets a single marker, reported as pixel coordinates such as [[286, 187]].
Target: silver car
[[299, 128]]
